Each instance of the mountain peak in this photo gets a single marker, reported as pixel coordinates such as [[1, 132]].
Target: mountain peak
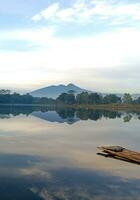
[[71, 85], [55, 91]]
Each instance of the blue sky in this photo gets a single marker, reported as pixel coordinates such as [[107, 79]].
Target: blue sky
[[92, 43]]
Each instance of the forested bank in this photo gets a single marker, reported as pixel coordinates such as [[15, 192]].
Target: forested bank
[[7, 97], [70, 98], [86, 98]]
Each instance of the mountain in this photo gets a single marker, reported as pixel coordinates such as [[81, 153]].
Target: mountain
[[53, 116], [55, 90]]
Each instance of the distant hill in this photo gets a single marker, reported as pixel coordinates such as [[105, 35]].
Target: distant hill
[[55, 90]]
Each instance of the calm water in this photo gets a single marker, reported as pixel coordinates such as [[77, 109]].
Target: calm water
[[52, 155]]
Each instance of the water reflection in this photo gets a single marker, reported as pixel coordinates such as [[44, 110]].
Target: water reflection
[[128, 117], [69, 115], [48, 154], [30, 177]]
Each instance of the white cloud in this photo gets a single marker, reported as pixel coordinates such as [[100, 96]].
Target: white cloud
[[31, 36], [84, 11], [60, 59], [47, 13], [93, 59]]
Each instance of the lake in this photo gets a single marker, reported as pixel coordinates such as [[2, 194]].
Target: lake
[[48, 154]]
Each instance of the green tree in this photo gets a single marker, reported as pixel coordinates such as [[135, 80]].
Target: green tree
[[70, 99], [127, 99], [94, 98], [62, 98], [82, 98], [111, 98], [66, 98]]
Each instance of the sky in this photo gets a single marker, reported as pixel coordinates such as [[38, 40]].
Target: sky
[[94, 44]]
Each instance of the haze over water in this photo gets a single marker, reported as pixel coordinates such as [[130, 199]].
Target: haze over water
[[52, 154]]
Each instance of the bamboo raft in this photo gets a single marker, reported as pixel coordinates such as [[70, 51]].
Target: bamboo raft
[[121, 153]]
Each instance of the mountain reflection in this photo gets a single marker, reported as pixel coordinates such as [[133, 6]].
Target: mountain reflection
[[68, 115]]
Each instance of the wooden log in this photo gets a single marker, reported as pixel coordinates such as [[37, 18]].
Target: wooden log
[[125, 154]]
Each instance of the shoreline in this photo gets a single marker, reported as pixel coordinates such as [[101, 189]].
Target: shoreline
[[115, 107]]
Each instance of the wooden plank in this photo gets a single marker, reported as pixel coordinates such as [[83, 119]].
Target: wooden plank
[[125, 153]]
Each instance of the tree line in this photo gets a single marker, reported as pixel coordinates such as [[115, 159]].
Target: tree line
[[6, 97], [69, 98], [96, 98]]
